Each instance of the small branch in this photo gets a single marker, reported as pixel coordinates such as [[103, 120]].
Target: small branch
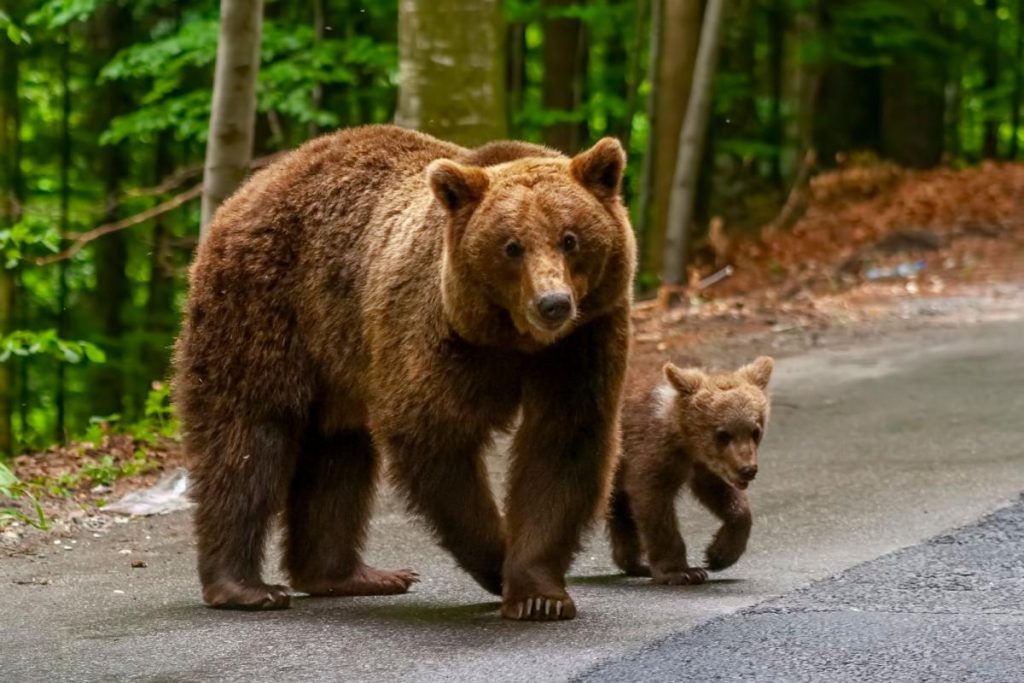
[[84, 238], [796, 204], [179, 177]]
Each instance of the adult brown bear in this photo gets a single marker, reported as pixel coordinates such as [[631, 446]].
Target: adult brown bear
[[381, 291]]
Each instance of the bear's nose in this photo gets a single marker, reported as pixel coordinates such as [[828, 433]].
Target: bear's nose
[[554, 307], [748, 473]]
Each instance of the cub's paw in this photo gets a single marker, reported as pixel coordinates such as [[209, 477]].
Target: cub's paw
[[234, 595], [724, 552], [539, 608], [684, 577], [364, 581]]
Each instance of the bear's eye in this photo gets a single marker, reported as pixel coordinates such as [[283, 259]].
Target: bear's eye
[[722, 437], [756, 435], [569, 242], [513, 249]]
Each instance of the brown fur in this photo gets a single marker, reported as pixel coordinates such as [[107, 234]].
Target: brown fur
[[359, 297], [688, 428]]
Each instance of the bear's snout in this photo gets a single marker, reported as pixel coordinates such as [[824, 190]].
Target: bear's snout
[[554, 308], [748, 473]]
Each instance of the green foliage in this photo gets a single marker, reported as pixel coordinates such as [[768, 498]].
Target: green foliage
[[13, 488], [23, 343], [12, 31]]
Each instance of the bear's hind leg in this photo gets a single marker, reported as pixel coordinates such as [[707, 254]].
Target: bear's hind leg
[[625, 538], [236, 493], [329, 508]]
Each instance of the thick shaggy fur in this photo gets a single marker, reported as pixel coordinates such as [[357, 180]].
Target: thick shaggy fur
[[361, 297], [692, 428]]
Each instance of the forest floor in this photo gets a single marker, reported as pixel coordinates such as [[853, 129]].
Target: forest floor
[[876, 249]]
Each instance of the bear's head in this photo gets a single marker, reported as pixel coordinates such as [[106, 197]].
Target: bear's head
[[533, 247], [721, 418]]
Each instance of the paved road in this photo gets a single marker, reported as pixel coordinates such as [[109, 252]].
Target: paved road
[[872, 449]]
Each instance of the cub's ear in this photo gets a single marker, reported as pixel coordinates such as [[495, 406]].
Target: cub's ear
[[759, 372], [687, 382], [456, 186], [600, 168]]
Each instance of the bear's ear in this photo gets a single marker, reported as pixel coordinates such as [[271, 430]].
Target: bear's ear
[[687, 382], [759, 372], [456, 186], [600, 168]]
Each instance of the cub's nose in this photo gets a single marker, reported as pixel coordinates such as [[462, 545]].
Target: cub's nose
[[554, 307], [748, 473]]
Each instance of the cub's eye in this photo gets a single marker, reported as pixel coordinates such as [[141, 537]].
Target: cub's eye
[[756, 435], [513, 249], [722, 437], [569, 242]]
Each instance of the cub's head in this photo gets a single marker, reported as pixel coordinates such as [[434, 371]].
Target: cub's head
[[535, 246], [721, 417]]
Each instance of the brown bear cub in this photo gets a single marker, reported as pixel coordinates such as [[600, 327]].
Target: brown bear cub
[[379, 292], [692, 428]]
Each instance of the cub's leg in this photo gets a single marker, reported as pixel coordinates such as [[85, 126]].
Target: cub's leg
[[626, 550], [731, 506], [239, 480], [329, 507], [654, 507], [440, 468], [562, 460]]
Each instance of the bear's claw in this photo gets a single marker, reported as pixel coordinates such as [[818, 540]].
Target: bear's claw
[[539, 608], [686, 577]]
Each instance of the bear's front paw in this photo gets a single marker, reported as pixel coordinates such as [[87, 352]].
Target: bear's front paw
[[539, 608], [684, 577], [235, 595], [724, 551]]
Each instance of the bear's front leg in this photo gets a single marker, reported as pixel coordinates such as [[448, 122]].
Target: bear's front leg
[[731, 506], [563, 457]]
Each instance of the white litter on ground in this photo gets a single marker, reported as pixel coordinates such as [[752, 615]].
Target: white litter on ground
[[167, 495]]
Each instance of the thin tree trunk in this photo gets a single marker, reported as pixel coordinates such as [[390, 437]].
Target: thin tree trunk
[[112, 251], [1018, 84], [233, 117], [515, 79], [677, 55], [644, 227], [990, 148], [564, 62], [777, 51], [691, 145], [12, 199], [159, 315], [634, 72], [319, 25], [60, 426], [452, 69]]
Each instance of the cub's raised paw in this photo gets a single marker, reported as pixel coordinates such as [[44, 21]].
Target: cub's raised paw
[[539, 608], [685, 577], [233, 595], [724, 552]]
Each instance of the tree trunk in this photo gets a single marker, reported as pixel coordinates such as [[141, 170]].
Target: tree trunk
[[12, 199], [680, 34], [913, 110], [776, 61], [990, 148], [319, 27], [60, 426], [564, 69], [233, 118], [1018, 84], [159, 317], [452, 69], [112, 250], [691, 146]]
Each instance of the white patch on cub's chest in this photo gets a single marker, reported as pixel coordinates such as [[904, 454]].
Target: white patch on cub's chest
[[664, 400]]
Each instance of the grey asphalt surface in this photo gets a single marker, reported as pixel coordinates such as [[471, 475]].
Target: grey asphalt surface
[[951, 609], [872, 449]]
